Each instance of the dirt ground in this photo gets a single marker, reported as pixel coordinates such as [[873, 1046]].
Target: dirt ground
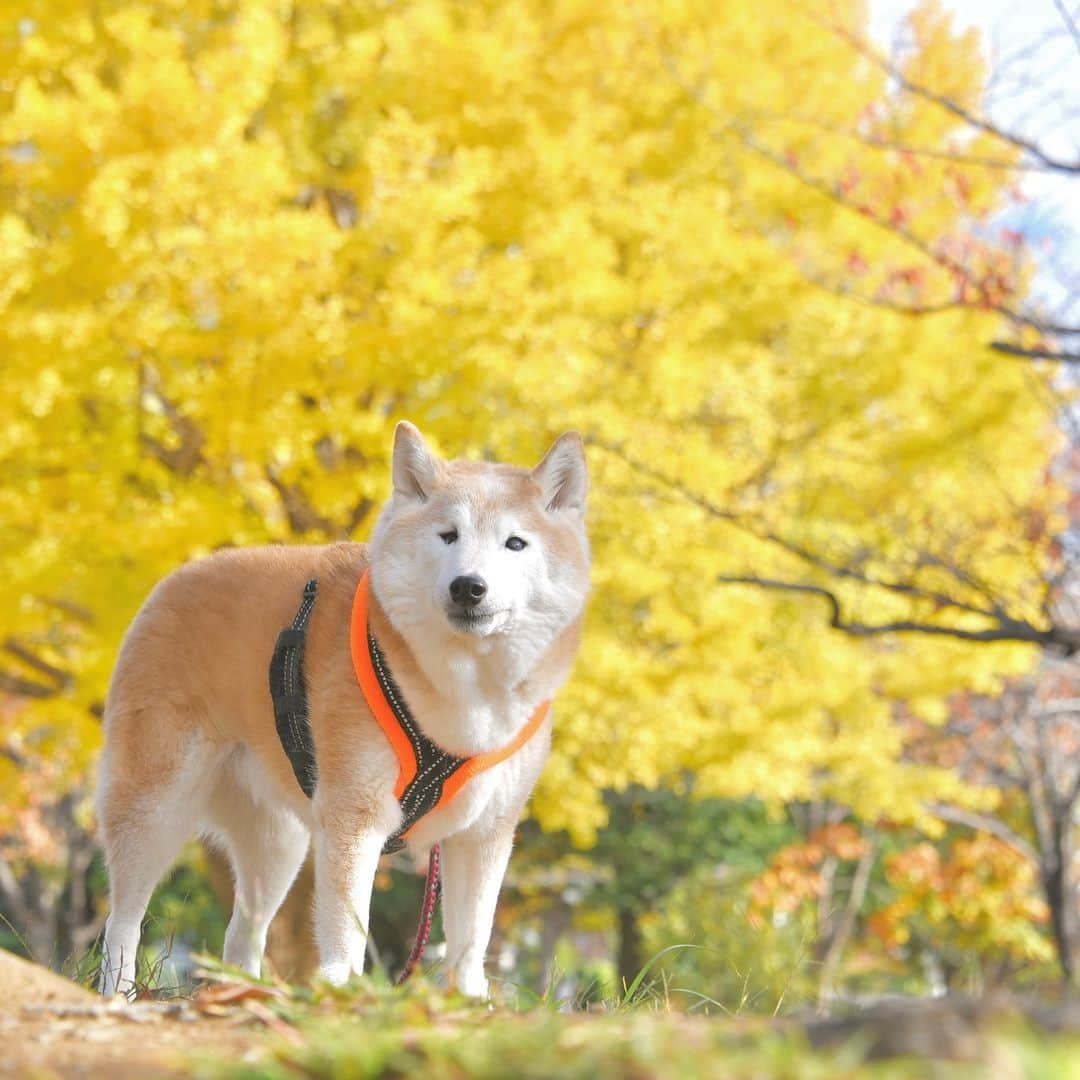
[[52, 1029]]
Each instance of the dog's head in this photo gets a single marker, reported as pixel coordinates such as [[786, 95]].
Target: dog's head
[[475, 550]]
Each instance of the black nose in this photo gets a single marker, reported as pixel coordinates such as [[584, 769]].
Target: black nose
[[468, 590]]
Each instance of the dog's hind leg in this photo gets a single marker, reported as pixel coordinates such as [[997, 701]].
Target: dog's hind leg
[[144, 819], [266, 846]]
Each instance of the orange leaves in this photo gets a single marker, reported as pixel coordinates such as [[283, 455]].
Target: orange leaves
[[856, 264], [843, 840], [223, 999], [917, 868], [796, 874], [974, 894], [217, 996]]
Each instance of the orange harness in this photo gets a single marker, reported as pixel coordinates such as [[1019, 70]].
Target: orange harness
[[428, 776]]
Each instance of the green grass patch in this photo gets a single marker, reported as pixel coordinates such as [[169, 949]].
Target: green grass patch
[[369, 1029]]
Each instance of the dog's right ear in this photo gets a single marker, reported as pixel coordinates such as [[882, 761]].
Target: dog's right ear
[[415, 467], [563, 475]]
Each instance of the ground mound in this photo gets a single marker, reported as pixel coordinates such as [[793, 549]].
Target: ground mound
[[50, 1027], [24, 983]]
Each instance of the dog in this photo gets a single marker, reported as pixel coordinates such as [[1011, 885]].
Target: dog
[[477, 576]]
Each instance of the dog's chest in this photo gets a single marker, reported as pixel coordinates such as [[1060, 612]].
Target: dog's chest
[[477, 801], [495, 791], [464, 721]]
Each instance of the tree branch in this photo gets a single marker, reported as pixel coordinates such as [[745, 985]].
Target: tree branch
[[982, 298], [1006, 628], [301, 515], [14, 757], [62, 678], [972, 819], [1036, 354], [20, 687], [1048, 160], [842, 933], [1069, 21], [759, 532]]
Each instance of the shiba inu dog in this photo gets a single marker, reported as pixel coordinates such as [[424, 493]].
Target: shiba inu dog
[[467, 605]]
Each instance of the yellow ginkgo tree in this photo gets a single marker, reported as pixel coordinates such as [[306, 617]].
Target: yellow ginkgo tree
[[239, 239]]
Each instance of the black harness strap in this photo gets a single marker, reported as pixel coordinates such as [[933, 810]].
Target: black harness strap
[[434, 766], [288, 691]]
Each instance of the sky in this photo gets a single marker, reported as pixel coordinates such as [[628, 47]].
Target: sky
[[1034, 60]]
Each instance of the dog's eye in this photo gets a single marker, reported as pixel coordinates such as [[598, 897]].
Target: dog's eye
[[448, 537], [515, 543]]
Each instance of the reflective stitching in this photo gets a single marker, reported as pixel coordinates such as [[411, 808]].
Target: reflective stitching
[[434, 766], [289, 697]]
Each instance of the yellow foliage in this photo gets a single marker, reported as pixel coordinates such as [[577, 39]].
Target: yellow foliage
[[239, 239]]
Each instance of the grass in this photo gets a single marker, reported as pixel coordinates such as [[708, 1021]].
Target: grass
[[542, 1045], [649, 1028], [371, 1029], [420, 1033]]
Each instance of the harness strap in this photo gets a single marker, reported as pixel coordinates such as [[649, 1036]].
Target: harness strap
[[288, 690], [428, 776]]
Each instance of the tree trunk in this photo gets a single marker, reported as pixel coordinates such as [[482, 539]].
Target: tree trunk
[[840, 933], [555, 921], [630, 958], [1056, 874]]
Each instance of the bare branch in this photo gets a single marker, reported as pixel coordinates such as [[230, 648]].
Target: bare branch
[[302, 516], [841, 934], [13, 756], [972, 819], [1040, 154], [1036, 354], [20, 687], [1061, 707], [187, 456], [1005, 628], [956, 157], [760, 532], [1069, 21], [62, 678], [980, 295], [69, 607]]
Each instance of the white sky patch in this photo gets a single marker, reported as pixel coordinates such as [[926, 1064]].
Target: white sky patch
[[1034, 92]]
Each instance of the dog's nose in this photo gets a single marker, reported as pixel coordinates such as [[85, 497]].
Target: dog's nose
[[468, 590]]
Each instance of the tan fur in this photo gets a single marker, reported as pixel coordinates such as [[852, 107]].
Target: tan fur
[[189, 717]]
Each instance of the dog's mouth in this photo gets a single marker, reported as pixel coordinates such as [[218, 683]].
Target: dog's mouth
[[477, 621]]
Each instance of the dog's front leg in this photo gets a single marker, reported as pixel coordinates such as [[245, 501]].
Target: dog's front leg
[[475, 864], [346, 858]]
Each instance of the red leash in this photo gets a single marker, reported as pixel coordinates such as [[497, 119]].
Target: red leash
[[427, 913]]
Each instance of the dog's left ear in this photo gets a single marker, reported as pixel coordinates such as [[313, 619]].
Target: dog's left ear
[[563, 475]]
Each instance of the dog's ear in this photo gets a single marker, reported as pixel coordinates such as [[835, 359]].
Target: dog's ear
[[563, 476], [415, 469]]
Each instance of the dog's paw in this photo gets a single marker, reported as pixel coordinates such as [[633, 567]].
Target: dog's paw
[[472, 984], [336, 972]]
